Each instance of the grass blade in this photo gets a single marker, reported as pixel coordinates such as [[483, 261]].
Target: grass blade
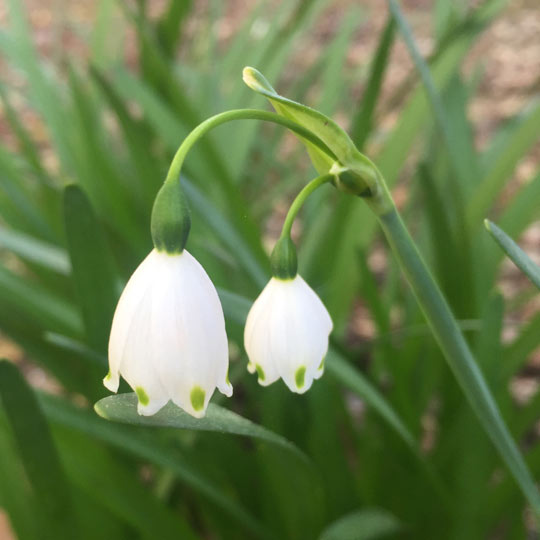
[[514, 252], [31, 249], [38, 454], [16, 497], [93, 268], [142, 445], [457, 353], [363, 121], [38, 304], [521, 140], [365, 524]]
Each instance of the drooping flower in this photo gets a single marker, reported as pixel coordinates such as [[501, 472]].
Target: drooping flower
[[286, 334], [168, 336]]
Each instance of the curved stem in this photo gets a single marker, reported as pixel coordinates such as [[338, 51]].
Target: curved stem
[[300, 199], [238, 114]]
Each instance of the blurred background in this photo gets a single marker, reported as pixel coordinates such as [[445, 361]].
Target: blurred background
[[100, 94]]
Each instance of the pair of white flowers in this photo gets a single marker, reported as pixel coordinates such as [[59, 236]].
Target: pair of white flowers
[[168, 337]]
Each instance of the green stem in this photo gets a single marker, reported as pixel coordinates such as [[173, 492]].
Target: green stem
[[456, 351], [300, 199], [238, 114]]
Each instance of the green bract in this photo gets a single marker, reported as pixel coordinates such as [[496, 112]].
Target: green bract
[[171, 219], [354, 172], [283, 260]]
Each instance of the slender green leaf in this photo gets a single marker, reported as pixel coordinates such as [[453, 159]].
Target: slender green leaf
[[144, 445], [227, 233], [522, 139], [514, 252], [363, 121], [38, 454], [518, 351], [123, 408], [38, 304], [113, 485], [365, 524], [93, 268], [458, 354], [34, 250], [433, 96], [352, 379], [16, 497], [522, 209]]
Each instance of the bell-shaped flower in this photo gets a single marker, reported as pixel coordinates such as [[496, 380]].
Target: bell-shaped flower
[[286, 334], [168, 336]]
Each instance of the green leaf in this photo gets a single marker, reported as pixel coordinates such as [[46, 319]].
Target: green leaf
[[352, 379], [112, 484], [227, 233], [514, 252], [522, 209], [365, 524], [323, 127], [237, 307], [36, 251], [433, 96], [16, 497], [123, 408], [504, 163], [457, 353], [93, 268], [38, 454], [362, 123], [38, 304], [143, 444], [518, 351]]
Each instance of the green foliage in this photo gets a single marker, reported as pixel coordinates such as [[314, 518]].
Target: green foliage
[[383, 445]]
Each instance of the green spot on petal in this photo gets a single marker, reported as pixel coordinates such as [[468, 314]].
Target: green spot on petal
[[108, 376], [227, 378], [142, 395], [197, 398], [260, 372], [299, 376], [321, 365]]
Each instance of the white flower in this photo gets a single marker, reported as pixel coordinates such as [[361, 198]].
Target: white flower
[[168, 336], [286, 334]]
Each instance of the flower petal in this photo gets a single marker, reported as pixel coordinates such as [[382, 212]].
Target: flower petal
[[258, 334], [188, 326], [287, 333], [128, 305]]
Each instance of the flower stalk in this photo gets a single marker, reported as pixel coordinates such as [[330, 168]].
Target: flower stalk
[[456, 350]]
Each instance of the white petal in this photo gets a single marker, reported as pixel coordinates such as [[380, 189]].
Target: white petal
[[128, 305], [257, 334], [287, 332], [168, 337], [136, 364], [191, 353]]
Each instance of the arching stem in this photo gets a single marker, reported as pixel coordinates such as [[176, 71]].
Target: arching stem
[[238, 114], [300, 199]]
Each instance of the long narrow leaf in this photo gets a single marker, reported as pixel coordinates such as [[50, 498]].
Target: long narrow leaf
[[514, 252], [38, 454], [93, 267], [143, 445], [123, 408]]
